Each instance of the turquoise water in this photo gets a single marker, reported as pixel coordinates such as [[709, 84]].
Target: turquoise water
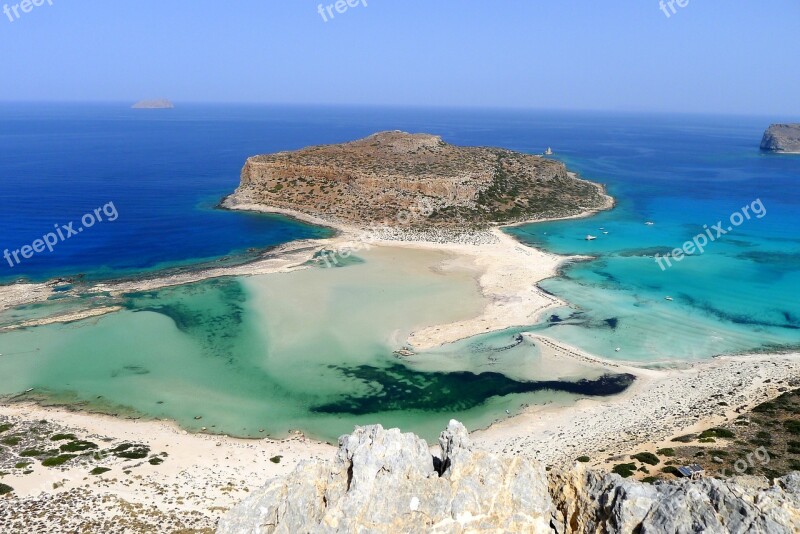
[[313, 350], [310, 350], [739, 295]]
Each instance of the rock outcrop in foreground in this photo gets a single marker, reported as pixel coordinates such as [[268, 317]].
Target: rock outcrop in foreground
[[385, 481], [415, 179], [782, 138]]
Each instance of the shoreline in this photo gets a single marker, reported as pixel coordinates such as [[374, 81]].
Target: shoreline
[[509, 272]]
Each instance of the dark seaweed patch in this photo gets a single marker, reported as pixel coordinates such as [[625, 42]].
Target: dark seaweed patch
[[398, 387], [211, 311]]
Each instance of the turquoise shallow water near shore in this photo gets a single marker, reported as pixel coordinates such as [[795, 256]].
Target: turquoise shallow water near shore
[[739, 295], [313, 351], [309, 350]]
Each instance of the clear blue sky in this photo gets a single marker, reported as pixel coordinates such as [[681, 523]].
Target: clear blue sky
[[738, 56]]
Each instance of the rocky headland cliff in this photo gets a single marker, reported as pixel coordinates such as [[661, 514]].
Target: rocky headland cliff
[[386, 481], [389, 175], [784, 138]]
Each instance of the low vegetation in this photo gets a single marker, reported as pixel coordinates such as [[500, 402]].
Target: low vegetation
[[763, 442]]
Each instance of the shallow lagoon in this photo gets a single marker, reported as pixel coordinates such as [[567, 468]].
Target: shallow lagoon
[[309, 350]]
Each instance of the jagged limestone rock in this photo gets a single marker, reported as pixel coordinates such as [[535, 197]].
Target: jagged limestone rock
[[386, 481], [591, 502], [383, 481]]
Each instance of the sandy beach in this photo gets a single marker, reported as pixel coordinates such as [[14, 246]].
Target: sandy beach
[[201, 476], [204, 475]]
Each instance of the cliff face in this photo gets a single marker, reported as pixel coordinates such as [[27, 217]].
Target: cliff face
[[385, 481], [782, 138], [376, 179]]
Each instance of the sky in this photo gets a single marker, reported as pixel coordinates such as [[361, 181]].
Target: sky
[[714, 56]]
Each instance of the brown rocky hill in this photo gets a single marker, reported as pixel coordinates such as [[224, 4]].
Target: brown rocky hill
[[416, 179]]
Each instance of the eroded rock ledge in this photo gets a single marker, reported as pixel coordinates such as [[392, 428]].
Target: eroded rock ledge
[[385, 481]]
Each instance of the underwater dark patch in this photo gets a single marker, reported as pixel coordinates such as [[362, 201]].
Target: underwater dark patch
[[211, 311], [130, 370], [734, 318], [398, 387], [647, 252]]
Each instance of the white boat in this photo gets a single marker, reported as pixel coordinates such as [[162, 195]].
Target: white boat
[[548, 152], [590, 238], [605, 232], [649, 223], [668, 298]]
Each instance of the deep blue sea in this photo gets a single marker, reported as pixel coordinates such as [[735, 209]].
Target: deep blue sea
[[166, 170]]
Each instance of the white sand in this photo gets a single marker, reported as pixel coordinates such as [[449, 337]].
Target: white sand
[[660, 404], [202, 473]]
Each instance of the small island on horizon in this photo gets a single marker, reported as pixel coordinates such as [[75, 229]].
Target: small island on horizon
[[159, 103]]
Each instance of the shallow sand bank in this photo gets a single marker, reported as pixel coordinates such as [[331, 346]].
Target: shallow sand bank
[[661, 404]]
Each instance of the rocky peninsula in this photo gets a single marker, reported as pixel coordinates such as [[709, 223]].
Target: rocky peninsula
[[782, 138], [417, 180]]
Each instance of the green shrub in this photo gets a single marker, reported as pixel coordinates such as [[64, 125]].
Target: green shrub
[[99, 470], [11, 441], [688, 438], [62, 437], [666, 452], [624, 470], [646, 458], [30, 453], [78, 446], [649, 480], [584, 459], [131, 451], [717, 433], [57, 460], [670, 469], [5, 489], [276, 459], [155, 460], [707, 440], [21, 465], [5, 426], [792, 426]]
